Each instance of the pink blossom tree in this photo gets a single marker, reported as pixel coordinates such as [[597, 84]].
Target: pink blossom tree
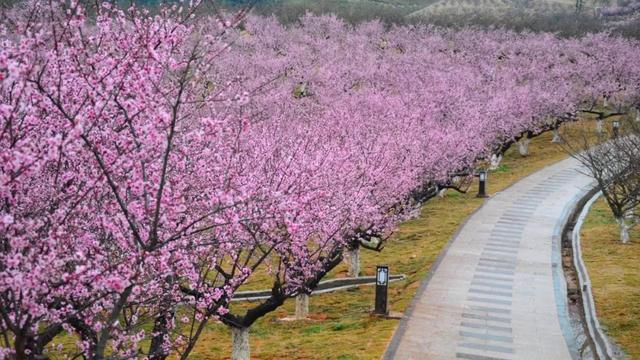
[[107, 128]]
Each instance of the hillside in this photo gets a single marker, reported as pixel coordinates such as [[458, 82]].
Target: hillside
[[415, 9]]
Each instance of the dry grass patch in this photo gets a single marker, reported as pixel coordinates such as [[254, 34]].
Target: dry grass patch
[[614, 270]]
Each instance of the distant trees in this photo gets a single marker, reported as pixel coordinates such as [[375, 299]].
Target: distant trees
[[621, 9]]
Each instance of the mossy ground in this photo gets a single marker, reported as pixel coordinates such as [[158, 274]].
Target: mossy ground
[[614, 270]]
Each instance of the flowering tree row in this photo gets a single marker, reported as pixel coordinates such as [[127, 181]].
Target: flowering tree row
[[151, 164]]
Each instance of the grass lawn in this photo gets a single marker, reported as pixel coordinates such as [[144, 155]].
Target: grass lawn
[[341, 327], [614, 270]]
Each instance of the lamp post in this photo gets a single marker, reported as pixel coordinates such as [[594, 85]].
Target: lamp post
[[382, 287], [482, 186], [616, 128]]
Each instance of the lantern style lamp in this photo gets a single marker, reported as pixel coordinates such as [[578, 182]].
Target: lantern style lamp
[[616, 128], [482, 186], [382, 287]]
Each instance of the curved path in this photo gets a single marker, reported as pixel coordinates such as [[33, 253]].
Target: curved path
[[499, 291]]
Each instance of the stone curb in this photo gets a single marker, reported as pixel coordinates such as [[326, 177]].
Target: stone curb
[[602, 345]]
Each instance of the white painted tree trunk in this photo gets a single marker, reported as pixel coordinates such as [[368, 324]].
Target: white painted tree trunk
[[605, 103], [302, 306], [599, 126], [624, 230], [240, 339], [441, 192], [353, 261], [637, 115], [557, 139], [523, 146], [495, 161]]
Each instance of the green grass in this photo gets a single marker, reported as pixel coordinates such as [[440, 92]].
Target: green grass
[[614, 270]]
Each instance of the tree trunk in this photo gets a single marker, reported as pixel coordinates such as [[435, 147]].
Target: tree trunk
[[20, 347], [624, 230], [637, 115], [157, 349], [557, 139], [441, 192], [599, 126], [26, 347], [495, 161], [605, 103], [302, 306], [240, 339], [523, 146], [353, 260]]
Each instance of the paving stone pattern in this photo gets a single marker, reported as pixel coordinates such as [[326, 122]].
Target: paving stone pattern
[[498, 293]]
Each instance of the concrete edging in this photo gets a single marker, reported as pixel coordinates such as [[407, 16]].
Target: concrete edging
[[603, 347], [558, 272]]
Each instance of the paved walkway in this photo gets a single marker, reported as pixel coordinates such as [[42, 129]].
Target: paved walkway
[[499, 291]]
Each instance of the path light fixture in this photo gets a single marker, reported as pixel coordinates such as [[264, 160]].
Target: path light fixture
[[616, 128], [482, 186], [382, 287]]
